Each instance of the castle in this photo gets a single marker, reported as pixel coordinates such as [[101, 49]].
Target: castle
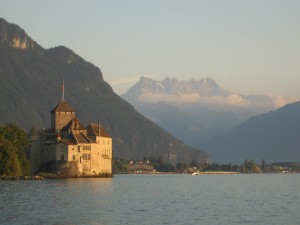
[[69, 147]]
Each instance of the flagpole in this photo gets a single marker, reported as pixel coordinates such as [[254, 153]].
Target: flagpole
[[99, 128], [63, 91]]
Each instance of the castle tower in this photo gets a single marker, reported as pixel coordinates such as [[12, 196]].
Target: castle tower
[[63, 113], [34, 151]]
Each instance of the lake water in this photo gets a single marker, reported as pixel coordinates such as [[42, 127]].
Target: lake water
[[154, 199]]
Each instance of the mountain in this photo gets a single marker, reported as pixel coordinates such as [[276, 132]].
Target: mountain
[[171, 86], [194, 110], [30, 80], [273, 136]]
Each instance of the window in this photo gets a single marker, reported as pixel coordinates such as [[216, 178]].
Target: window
[[74, 158], [86, 147], [86, 157]]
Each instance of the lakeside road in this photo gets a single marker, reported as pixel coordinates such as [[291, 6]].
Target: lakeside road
[[206, 172]]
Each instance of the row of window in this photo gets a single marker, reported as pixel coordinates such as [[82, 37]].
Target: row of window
[[106, 151], [65, 113], [103, 142], [88, 156], [86, 147]]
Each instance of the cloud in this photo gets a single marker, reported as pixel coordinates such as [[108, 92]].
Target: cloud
[[279, 100], [230, 100], [153, 98], [254, 102], [233, 99]]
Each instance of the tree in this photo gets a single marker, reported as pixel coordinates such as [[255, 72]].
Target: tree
[[167, 168], [9, 162], [13, 143], [179, 166], [145, 160], [194, 164], [249, 167], [160, 161]]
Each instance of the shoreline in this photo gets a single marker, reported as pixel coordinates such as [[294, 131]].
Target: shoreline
[[22, 178], [52, 176]]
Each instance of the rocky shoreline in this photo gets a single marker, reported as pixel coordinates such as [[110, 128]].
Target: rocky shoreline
[[57, 176], [53, 176], [21, 178]]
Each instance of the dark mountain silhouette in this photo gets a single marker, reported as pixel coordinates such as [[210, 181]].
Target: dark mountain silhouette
[[274, 136], [30, 80]]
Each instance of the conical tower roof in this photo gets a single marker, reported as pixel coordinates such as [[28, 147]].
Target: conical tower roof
[[34, 131]]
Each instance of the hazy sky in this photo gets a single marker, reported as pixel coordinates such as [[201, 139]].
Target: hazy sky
[[246, 46]]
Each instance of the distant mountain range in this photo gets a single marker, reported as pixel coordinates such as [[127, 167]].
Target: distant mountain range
[[172, 87], [194, 110], [274, 137], [30, 79]]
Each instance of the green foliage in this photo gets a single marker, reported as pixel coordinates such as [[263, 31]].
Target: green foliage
[[160, 166], [249, 167], [181, 167], [194, 164], [121, 166], [13, 142], [160, 160], [295, 167], [167, 167]]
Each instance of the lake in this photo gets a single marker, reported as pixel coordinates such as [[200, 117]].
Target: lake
[[154, 199]]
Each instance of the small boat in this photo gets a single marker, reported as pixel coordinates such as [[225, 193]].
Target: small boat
[[194, 174]]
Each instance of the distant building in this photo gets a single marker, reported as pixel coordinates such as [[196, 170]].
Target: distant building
[[70, 147]]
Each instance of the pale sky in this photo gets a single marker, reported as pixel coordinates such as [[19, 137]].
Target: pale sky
[[246, 46]]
